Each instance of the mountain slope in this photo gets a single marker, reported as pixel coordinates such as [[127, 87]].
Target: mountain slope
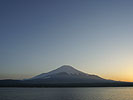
[[67, 74]]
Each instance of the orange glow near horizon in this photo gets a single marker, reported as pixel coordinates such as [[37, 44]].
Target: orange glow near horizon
[[125, 75], [126, 79], [118, 74]]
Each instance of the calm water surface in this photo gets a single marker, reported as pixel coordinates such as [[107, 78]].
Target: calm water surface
[[108, 93]]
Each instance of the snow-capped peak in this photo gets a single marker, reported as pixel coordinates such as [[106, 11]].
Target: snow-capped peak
[[65, 68]]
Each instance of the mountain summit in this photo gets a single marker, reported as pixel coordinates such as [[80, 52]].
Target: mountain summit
[[63, 69], [67, 74], [67, 69]]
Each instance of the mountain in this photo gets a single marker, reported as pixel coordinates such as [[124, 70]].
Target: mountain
[[64, 76], [67, 74]]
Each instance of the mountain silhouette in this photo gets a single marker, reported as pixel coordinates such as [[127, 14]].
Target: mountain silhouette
[[64, 76], [67, 74]]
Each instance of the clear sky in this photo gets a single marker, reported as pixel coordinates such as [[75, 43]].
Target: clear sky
[[95, 36]]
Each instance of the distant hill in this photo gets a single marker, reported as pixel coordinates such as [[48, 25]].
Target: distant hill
[[64, 76]]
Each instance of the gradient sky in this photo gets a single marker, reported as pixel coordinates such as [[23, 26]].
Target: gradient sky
[[95, 36]]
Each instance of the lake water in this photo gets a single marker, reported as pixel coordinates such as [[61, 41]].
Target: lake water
[[100, 93]]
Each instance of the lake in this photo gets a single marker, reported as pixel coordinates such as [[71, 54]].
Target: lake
[[99, 93]]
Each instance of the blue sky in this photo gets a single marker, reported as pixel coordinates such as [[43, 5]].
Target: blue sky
[[95, 36]]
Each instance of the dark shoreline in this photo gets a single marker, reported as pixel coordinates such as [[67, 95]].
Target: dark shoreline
[[18, 83]]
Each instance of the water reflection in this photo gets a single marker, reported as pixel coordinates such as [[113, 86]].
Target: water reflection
[[66, 93]]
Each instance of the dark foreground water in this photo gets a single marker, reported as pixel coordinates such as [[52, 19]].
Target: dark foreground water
[[108, 93]]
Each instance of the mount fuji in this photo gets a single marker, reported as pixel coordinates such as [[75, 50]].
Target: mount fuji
[[64, 76], [67, 74]]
